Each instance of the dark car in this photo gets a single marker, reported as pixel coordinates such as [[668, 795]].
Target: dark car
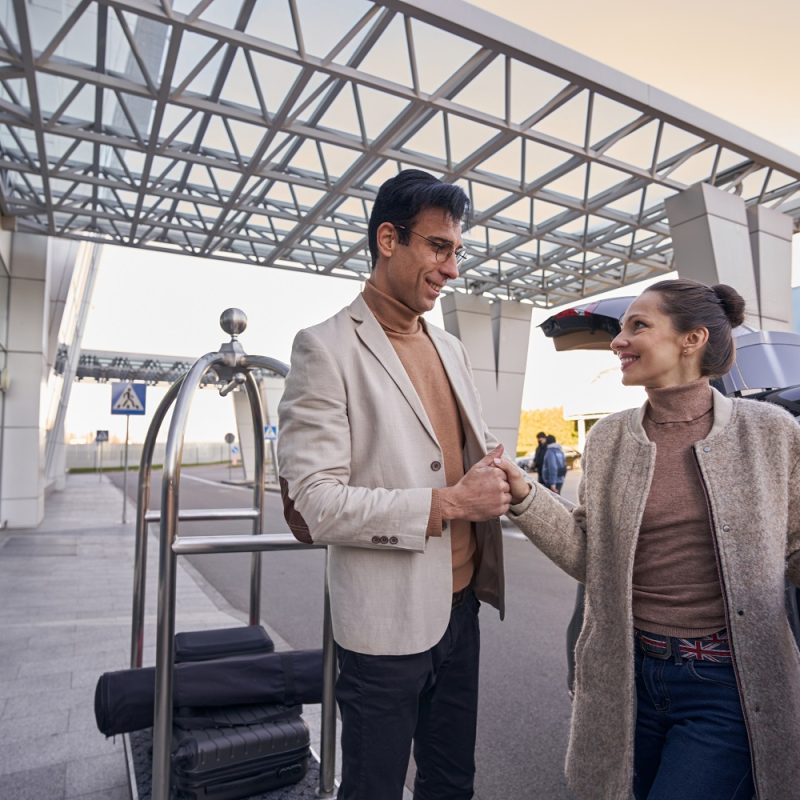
[[767, 369], [571, 454], [525, 463]]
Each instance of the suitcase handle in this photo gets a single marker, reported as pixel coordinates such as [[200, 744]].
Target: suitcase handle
[[244, 787]]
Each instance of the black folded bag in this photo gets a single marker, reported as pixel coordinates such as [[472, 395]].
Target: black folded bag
[[123, 700], [221, 643]]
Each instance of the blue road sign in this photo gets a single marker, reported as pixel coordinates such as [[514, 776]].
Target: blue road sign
[[101, 436], [128, 398], [271, 432]]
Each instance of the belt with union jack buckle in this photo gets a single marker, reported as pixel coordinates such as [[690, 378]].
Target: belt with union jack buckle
[[714, 647]]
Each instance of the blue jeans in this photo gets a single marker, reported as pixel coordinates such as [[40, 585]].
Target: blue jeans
[[691, 739]]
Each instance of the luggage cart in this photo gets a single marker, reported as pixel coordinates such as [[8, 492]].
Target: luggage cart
[[233, 368]]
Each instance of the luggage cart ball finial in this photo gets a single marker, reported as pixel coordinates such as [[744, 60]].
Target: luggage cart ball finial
[[233, 321]]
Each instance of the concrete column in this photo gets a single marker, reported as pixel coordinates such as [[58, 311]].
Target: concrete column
[[495, 335], [24, 418], [717, 239], [711, 238], [771, 245], [74, 269], [244, 431]]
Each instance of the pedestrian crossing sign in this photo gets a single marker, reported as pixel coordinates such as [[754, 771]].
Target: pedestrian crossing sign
[[128, 398]]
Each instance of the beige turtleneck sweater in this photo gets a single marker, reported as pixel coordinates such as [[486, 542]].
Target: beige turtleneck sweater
[[421, 361], [676, 587]]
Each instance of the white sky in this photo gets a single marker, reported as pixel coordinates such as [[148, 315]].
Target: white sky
[[721, 55]]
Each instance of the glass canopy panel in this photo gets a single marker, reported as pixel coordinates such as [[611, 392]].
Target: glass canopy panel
[[8, 21], [568, 121], [324, 25], [439, 54], [389, 59], [486, 90]]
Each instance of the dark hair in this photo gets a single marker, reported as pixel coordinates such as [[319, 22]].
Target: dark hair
[[550, 439], [540, 434], [402, 197], [719, 308]]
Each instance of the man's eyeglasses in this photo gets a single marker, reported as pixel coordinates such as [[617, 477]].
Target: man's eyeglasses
[[443, 250]]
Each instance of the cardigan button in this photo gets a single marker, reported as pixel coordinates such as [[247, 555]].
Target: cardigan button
[[726, 528], [740, 612], [706, 449], [436, 465]]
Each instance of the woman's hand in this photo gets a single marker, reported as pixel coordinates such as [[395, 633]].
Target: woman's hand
[[520, 488]]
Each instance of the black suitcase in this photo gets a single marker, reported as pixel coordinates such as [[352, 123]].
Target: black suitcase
[[237, 752]]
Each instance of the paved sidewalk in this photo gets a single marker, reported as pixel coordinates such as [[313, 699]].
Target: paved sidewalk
[[65, 618]]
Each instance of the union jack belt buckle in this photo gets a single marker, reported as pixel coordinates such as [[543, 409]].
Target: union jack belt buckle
[[715, 648]]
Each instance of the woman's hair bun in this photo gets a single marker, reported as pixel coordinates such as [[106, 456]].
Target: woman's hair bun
[[732, 303]]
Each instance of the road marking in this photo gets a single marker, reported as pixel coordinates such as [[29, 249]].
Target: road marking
[[217, 483]]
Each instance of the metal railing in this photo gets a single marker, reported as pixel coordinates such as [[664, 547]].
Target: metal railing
[[235, 368]]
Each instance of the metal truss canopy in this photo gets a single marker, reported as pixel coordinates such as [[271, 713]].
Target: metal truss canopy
[[103, 366], [258, 131]]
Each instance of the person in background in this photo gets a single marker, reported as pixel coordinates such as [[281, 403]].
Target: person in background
[[383, 451], [538, 456], [554, 466], [687, 674]]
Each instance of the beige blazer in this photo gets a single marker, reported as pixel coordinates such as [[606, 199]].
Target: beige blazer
[[360, 458]]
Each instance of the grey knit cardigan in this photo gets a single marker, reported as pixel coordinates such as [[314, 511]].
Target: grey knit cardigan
[[749, 464]]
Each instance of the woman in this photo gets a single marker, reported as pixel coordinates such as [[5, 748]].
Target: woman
[[687, 675]]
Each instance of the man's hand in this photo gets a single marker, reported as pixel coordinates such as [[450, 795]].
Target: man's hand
[[481, 494], [518, 486]]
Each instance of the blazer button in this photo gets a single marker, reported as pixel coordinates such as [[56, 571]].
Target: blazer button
[[376, 540], [384, 540], [436, 465], [392, 540]]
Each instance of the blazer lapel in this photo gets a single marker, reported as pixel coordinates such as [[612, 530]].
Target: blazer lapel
[[369, 331]]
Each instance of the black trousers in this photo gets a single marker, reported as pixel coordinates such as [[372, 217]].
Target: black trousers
[[430, 698]]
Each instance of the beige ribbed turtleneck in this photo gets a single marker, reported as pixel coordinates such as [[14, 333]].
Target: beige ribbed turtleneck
[[676, 588], [421, 361]]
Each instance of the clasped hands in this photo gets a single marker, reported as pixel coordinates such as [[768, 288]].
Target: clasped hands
[[486, 490]]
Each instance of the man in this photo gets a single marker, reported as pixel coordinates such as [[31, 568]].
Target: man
[[538, 456], [554, 465], [379, 420]]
